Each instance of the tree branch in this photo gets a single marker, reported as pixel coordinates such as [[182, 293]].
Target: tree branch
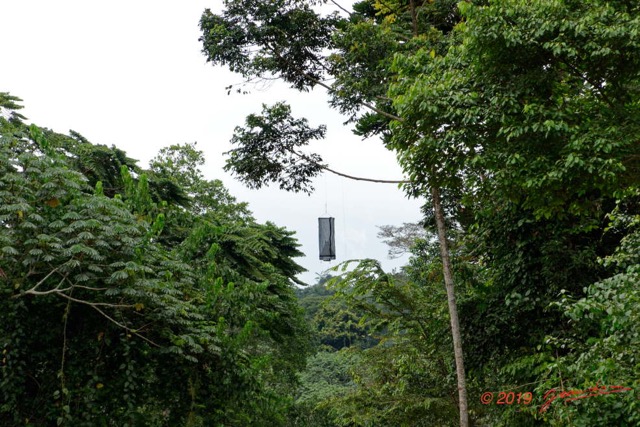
[[356, 178], [341, 8], [586, 78], [59, 290], [56, 290], [330, 89], [125, 327], [95, 304], [363, 103], [380, 181], [46, 277], [89, 288], [64, 345]]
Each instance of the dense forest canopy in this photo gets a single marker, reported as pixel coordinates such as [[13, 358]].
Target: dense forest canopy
[[137, 296], [518, 122]]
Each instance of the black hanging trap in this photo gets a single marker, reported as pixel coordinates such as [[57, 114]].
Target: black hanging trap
[[327, 238]]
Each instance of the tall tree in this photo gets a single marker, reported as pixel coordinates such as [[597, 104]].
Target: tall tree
[[530, 114], [291, 41], [491, 108]]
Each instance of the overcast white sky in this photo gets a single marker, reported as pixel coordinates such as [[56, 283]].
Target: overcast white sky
[[131, 74]]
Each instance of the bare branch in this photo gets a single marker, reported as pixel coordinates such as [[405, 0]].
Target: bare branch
[[46, 277], [89, 288], [125, 327], [95, 304], [363, 103], [61, 292], [356, 178], [55, 290], [380, 181], [341, 8]]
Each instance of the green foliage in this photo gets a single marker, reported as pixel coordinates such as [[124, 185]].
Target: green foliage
[[537, 104], [180, 165], [326, 377], [267, 153], [400, 370], [525, 116], [603, 349], [76, 260], [289, 42], [113, 313], [9, 105], [96, 162], [340, 327]]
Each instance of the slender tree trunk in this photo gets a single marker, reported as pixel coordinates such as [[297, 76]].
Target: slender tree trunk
[[453, 309], [414, 17], [447, 272]]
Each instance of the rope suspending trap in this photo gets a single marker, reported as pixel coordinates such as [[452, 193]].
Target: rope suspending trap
[[326, 224]]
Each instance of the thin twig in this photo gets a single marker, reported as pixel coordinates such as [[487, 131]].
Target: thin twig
[[33, 291], [363, 103], [593, 84], [55, 290], [64, 346], [124, 326], [89, 288], [94, 304], [341, 8], [45, 278]]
